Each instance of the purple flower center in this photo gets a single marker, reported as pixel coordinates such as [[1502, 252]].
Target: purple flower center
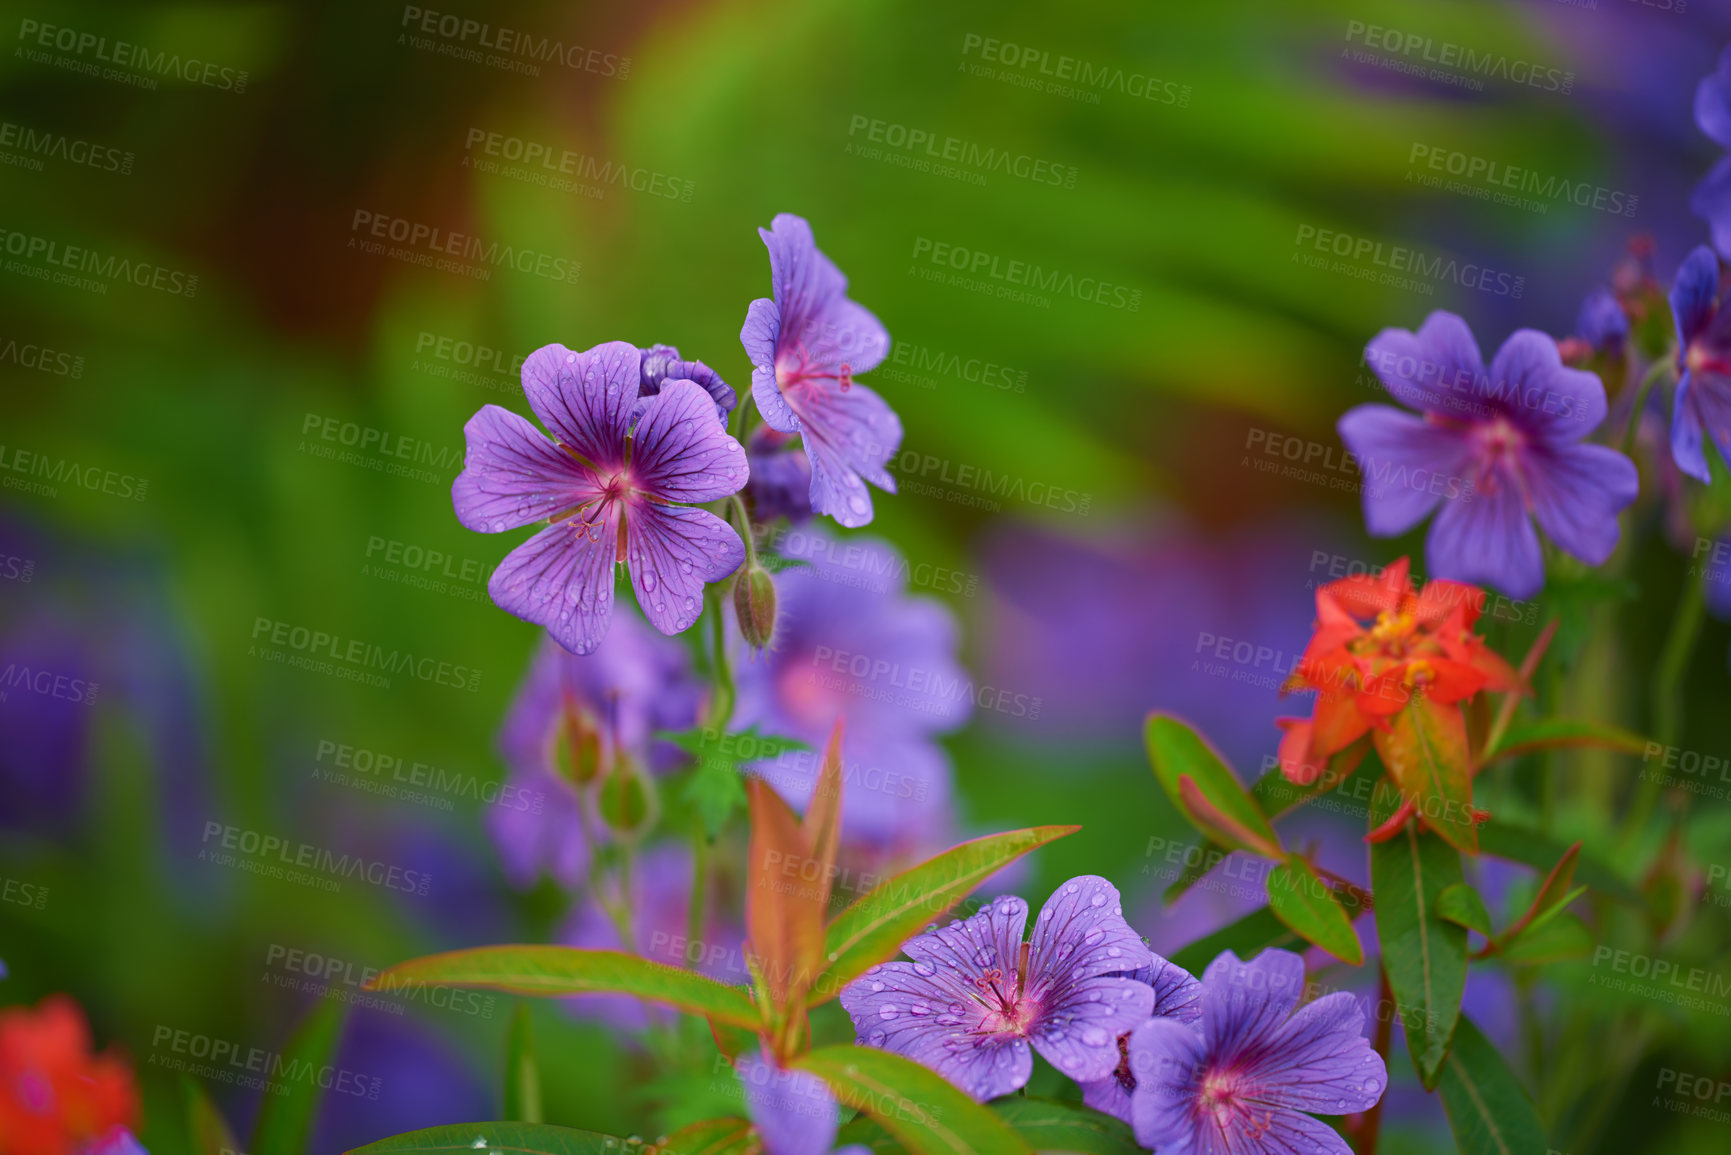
[[798, 377], [1499, 442], [1223, 1096], [1698, 358]]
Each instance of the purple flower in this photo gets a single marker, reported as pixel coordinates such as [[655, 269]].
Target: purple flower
[[660, 364], [780, 484], [1712, 197], [1494, 449], [793, 1110], [1703, 400], [1177, 997], [606, 486], [117, 1141], [805, 346], [976, 997], [850, 643], [1245, 1081], [635, 684], [1602, 323]]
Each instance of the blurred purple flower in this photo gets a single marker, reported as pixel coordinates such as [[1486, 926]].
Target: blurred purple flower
[[1247, 1079], [659, 903], [635, 684], [793, 1110], [1494, 449], [1177, 996], [780, 484], [1712, 197], [805, 346], [969, 1006], [1602, 324], [850, 643], [1703, 400], [118, 1141], [606, 486], [422, 1081]]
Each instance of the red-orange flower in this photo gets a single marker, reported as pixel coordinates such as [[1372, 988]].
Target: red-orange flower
[[55, 1096], [1379, 646]]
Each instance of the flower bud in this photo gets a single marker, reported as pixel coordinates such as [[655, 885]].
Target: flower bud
[[576, 744], [754, 605], [627, 800]]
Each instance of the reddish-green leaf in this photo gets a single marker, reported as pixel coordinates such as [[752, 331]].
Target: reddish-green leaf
[[787, 892], [730, 1135], [1564, 733], [875, 926], [566, 970], [1553, 894], [1177, 752], [822, 824], [1558, 939], [923, 1110], [1302, 901], [1425, 751]]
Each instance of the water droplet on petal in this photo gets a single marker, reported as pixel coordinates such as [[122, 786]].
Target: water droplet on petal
[[1097, 900], [920, 1009], [1095, 1037], [925, 968], [649, 579], [887, 1011], [1071, 889]]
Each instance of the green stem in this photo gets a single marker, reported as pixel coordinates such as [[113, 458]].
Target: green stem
[[721, 708], [745, 532], [1668, 696], [699, 889], [1659, 369]]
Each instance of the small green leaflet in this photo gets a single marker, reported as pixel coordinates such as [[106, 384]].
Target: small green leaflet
[[1310, 907], [1461, 905], [714, 788], [1488, 1109]]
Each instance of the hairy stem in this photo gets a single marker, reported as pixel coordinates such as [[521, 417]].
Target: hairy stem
[[1660, 368]]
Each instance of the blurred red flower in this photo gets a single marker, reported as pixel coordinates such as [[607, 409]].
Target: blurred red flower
[[55, 1095]]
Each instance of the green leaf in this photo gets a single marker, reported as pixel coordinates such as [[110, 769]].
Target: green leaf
[[1488, 1109], [1563, 733], [522, 1076], [1220, 826], [1048, 1125], [1558, 940], [1177, 752], [715, 791], [912, 1102], [1424, 954], [874, 927], [1461, 905], [726, 1136], [1256, 931], [285, 1121], [1309, 906], [1425, 751], [564, 970], [1541, 851], [1553, 894], [864, 1131], [205, 1126], [503, 1138], [716, 788]]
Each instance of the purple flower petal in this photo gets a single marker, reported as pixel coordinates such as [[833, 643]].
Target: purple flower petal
[[1693, 294], [1530, 383], [1244, 1001], [793, 1110], [850, 434], [1711, 201], [662, 363], [1686, 433], [1394, 448], [1165, 1056], [1488, 540], [1081, 934], [679, 453], [513, 475], [673, 550], [1576, 492], [1080, 1023], [930, 1013], [1177, 996], [759, 335], [585, 398], [1319, 1061], [1713, 101], [562, 578], [805, 281], [1438, 369], [988, 943]]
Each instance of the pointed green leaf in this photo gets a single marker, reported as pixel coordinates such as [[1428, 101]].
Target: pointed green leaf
[[726, 1136], [205, 1126], [565, 970], [864, 1131], [1221, 827], [1557, 940], [1488, 1109], [1309, 906], [918, 1106], [1424, 954], [1563, 733], [716, 788], [1177, 752], [1052, 1126], [1461, 905], [1256, 931], [1553, 893], [503, 1138], [285, 1121], [879, 921], [1542, 852], [522, 1077], [1425, 751]]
